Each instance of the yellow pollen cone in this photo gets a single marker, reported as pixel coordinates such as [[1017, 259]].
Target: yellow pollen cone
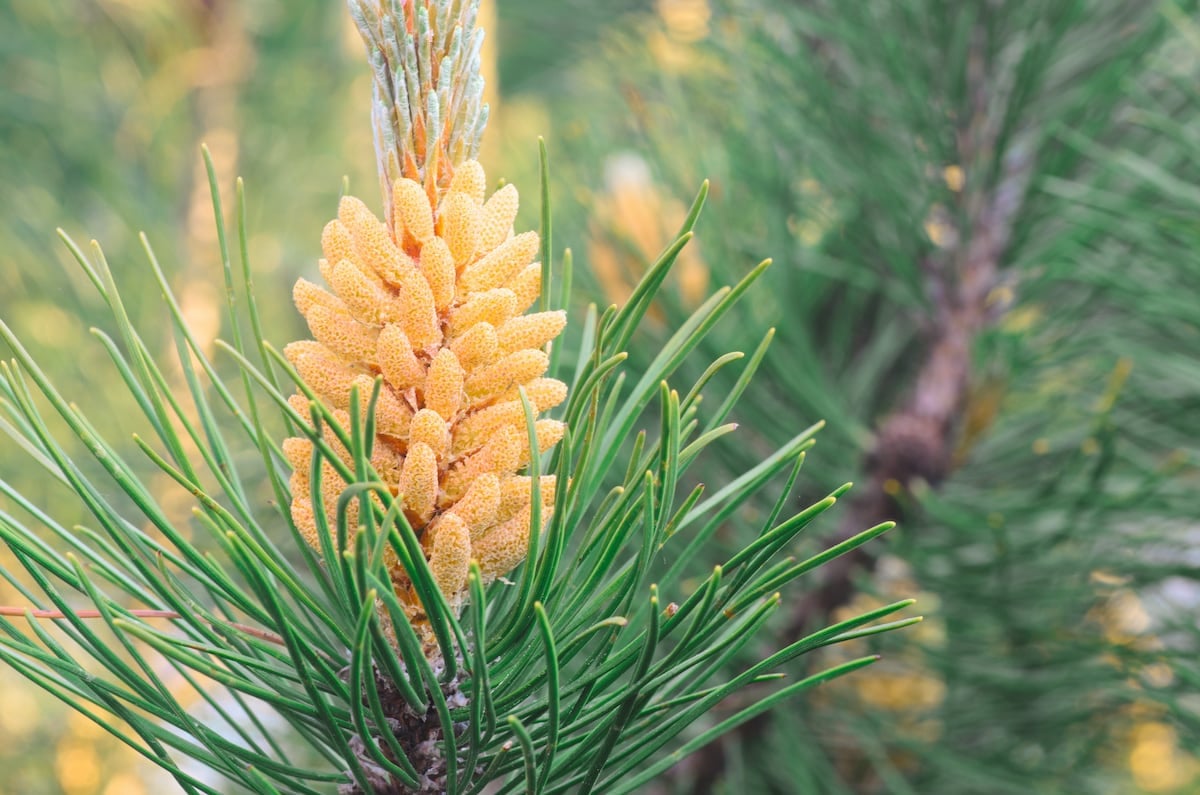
[[434, 305]]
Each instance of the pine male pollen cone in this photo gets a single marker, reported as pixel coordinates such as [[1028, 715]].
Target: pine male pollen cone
[[436, 305]]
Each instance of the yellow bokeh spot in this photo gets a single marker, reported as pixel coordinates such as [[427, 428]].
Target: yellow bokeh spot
[[810, 187], [1021, 320], [1041, 446], [954, 177], [671, 54], [77, 766], [892, 487], [83, 728], [1103, 577], [686, 20], [810, 232], [1158, 675], [1156, 761], [20, 713], [1127, 617], [1001, 296], [633, 211], [901, 691], [124, 784], [939, 229], [49, 325]]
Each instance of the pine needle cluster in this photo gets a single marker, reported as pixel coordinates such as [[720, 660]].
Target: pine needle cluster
[[450, 551]]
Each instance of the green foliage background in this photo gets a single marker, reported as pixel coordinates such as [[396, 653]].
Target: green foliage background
[[1057, 563]]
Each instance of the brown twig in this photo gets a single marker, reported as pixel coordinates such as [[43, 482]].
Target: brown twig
[[58, 615]]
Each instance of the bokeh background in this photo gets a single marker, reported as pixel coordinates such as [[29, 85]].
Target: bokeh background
[[985, 221]]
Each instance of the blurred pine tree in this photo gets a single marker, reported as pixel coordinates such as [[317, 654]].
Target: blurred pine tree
[[989, 269]]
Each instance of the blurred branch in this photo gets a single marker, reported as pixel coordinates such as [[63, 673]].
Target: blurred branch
[[915, 443]]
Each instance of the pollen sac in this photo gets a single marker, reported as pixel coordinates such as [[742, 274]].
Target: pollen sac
[[460, 227], [342, 334], [494, 307], [437, 264], [450, 557], [517, 492], [336, 242], [298, 452], [497, 218], [396, 358], [418, 315], [478, 507], [444, 384], [372, 245], [294, 351], [300, 405], [392, 415], [413, 215], [511, 371], [548, 432], [306, 295], [478, 347], [305, 519], [500, 266], [418, 481], [469, 179], [504, 546], [477, 428], [499, 454], [530, 331], [545, 393], [324, 374], [428, 427], [369, 302], [526, 287], [429, 311]]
